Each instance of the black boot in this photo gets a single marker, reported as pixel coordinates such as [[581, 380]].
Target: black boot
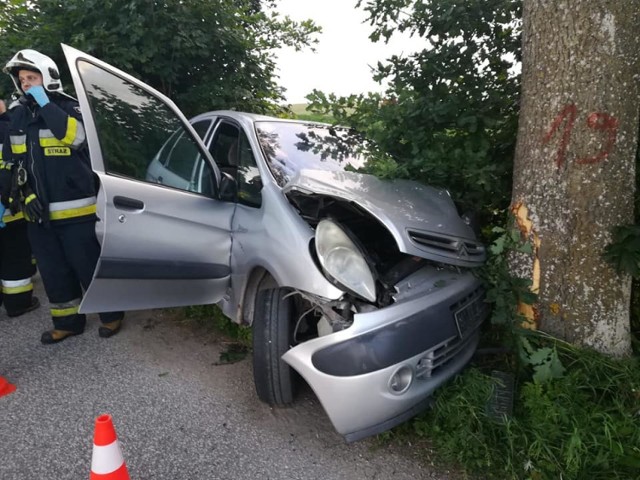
[[55, 336], [109, 329], [35, 303]]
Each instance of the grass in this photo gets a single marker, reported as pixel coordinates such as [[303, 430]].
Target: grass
[[210, 318], [300, 112], [583, 424], [299, 108]]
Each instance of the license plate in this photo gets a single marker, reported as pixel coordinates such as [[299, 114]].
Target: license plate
[[471, 315]]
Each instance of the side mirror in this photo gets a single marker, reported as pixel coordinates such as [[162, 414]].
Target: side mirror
[[228, 188]]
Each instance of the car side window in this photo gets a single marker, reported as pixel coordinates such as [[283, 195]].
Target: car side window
[[140, 136], [182, 157], [232, 152], [249, 181], [223, 148], [201, 127]]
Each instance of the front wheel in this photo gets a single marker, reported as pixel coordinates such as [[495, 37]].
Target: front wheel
[[273, 326]]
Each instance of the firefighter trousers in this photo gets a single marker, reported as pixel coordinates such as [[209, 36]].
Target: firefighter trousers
[[16, 268], [67, 254]]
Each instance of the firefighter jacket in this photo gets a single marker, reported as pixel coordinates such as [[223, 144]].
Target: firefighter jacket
[[48, 145], [6, 170]]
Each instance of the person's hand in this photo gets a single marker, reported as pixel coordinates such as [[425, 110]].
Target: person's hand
[[33, 208], [3, 107], [2, 209], [39, 95]]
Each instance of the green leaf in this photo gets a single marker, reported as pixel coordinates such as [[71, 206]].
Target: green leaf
[[498, 246], [540, 356]]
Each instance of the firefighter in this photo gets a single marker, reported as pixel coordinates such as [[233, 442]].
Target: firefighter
[[16, 267], [53, 180]]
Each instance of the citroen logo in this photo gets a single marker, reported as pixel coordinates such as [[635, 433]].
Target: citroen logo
[[462, 250]]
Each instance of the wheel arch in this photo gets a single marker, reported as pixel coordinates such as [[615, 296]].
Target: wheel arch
[[259, 279]]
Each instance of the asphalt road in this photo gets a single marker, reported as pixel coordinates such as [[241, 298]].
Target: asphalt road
[[178, 412]]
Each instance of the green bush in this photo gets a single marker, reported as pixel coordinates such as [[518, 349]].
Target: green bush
[[583, 424]]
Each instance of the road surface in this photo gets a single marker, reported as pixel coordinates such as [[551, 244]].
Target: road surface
[[178, 412]]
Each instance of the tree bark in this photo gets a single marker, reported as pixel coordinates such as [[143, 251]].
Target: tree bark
[[574, 172]]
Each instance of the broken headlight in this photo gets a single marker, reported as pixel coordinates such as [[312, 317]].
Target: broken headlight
[[343, 262]]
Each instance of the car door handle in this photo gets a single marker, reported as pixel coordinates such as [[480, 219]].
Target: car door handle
[[126, 203]]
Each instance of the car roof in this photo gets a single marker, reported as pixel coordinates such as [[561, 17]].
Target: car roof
[[249, 118]]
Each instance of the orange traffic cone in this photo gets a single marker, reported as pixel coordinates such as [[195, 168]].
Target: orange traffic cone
[[107, 462], [5, 387]]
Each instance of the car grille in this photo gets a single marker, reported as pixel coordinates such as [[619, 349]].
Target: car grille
[[452, 247], [469, 313]]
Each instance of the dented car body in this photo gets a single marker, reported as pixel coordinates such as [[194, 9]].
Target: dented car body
[[364, 288]]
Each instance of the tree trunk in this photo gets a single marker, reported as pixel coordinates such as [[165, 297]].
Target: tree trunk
[[574, 173]]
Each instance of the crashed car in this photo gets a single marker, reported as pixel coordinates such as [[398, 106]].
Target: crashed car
[[363, 288]]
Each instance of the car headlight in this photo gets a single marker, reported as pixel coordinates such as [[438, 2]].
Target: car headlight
[[343, 261]]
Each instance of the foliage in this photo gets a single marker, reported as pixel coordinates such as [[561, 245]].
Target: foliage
[[505, 291], [583, 425], [449, 113], [210, 316], [204, 54], [624, 251]]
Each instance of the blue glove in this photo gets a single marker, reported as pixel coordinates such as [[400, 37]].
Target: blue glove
[[39, 95], [2, 209]]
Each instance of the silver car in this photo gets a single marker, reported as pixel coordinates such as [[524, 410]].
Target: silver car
[[363, 288]]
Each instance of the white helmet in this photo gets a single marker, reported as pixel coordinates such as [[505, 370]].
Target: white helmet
[[34, 61]]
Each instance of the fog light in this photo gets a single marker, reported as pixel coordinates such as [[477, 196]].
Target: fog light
[[401, 380]]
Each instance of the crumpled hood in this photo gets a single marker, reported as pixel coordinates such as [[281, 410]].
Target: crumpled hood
[[415, 214]]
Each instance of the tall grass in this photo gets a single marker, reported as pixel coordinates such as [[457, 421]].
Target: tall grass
[[583, 425]]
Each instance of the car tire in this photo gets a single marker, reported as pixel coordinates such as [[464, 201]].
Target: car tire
[[273, 325]]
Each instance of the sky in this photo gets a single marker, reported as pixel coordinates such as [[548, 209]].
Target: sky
[[344, 54]]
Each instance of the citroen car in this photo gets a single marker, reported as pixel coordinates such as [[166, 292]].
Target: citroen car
[[363, 288]]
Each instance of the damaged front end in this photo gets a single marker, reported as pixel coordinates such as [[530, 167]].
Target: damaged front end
[[409, 318]]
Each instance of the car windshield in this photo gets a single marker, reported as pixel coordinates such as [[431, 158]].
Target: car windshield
[[290, 147]]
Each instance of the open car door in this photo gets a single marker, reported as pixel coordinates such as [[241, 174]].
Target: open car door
[[165, 241]]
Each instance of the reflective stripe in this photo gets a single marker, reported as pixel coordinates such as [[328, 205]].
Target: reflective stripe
[[30, 199], [70, 204], [66, 308], [7, 217], [18, 144], [16, 283], [63, 312], [74, 136], [72, 213], [45, 133], [48, 140], [75, 133], [71, 303], [18, 148], [72, 208], [5, 165], [106, 459], [11, 287]]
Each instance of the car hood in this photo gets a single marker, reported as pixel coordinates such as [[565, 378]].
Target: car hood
[[423, 220]]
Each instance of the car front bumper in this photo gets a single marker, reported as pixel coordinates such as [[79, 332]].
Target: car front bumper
[[383, 369]]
